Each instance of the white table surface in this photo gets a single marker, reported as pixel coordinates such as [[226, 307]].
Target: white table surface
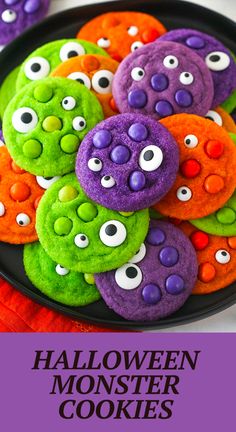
[[226, 320]]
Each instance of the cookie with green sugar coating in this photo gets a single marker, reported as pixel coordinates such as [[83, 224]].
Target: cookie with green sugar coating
[[84, 236], [8, 89], [220, 223], [68, 287], [41, 62], [44, 124]]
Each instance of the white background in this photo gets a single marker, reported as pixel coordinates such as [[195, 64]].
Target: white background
[[224, 321]]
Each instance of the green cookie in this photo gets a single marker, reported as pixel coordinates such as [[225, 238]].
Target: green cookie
[[41, 62], [8, 89], [58, 283], [220, 223], [44, 124], [84, 236]]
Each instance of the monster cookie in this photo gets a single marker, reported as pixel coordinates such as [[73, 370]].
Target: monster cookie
[[19, 197], [41, 62], [120, 33], [206, 177], [127, 162], [222, 118], [8, 89], [60, 284], [157, 280], [43, 125], [17, 15], [96, 73], [217, 57], [161, 79], [216, 259], [83, 236]]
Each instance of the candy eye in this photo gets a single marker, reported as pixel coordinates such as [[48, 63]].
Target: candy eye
[[150, 158], [9, 16], [103, 42], [23, 219], [186, 78], [102, 81], [2, 209], [184, 193], [112, 233], [71, 49], [62, 271], [190, 141], [215, 117], [81, 78], [136, 45], [37, 68], [132, 30], [108, 182], [128, 276], [69, 103], [139, 255], [24, 120], [46, 182], [171, 62], [95, 164], [217, 61], [81, 241], [222, 256], [79, 123], [137, 74]]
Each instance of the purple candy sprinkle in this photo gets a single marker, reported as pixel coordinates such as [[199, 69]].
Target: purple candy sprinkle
[[138, 132], [174, 284], [159, 82], [10, 2], [137, 181], [151, 294], [137, 98], [164, 108], [195, 42], [102, 139], [169, 256], [156, 236], [183, 98], [120, 154], [32, 6]]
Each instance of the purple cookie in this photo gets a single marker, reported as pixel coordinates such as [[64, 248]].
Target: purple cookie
[[127, 162], [17, 15], [157, 280], [161, 79], [217, 57]]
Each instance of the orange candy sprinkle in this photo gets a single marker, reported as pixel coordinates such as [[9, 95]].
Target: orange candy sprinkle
[[20, 191], [214, 184], [206, 272]]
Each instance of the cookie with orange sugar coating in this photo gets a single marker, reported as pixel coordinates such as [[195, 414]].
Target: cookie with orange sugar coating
[[216, 259], [120, 33], [222, 118], [96, 73], [206, 177]]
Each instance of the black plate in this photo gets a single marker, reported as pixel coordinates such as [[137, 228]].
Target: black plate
[[66, 24]]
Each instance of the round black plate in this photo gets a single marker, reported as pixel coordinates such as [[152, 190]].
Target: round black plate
[[66, 24]]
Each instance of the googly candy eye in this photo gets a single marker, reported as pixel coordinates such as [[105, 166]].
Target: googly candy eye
[[184, 193], [81, 241], [139, 255], [112, 233], [150, 158], [132, 30], [61, 271], [95, 164], [171, 62], [46, 182], [136, 45], [128, 277], [71, 49], [214, 116], [68, 103], [103, 42], [2, 209], [9, 16], [217, 61], [222, 256], [102, 81], [37, 68], [108, 181], [191, 141], [137, 73], [79, 123], [81, 77], [186, 78], [24, 120], [23, 219]]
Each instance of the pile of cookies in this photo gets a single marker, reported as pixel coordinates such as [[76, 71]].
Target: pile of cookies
[[118, 169]]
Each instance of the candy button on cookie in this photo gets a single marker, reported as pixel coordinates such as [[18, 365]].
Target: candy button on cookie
[[206, 177], [128, 162], [147, 287], [83, 236]]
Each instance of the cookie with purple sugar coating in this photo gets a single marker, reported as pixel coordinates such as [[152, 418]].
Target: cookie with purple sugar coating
[[217, 57], [157, 280], [127, 162], [161, 79]]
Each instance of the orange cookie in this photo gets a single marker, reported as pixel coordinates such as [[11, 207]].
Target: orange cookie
[[206, 177], [222, 118], [96, 73], [216, 259], [19, 196], [120, 33]]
